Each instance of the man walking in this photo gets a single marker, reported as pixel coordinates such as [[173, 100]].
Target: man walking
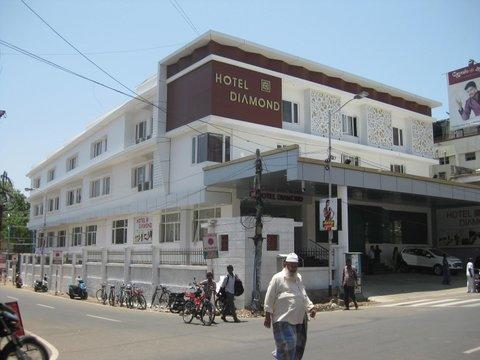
[[228, 287], [286, 306], [445, 270], [470, 276], [349, 280]]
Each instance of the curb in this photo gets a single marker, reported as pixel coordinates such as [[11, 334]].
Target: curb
[[52, 350]]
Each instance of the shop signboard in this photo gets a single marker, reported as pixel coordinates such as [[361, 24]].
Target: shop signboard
[[458, 227], [3, 261], [464, 96], [143, 229], [19, 331], [210, 246], [57, 257], [328, 214]]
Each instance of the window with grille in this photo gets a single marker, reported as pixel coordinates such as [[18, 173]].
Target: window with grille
[[142, 177], [397, 136], [349, 125], [99, 147], [91, 235], [61, 237], [72, 162], [77, 236], [397, 168], [51, 174], [170, 227], [203, 216], [211, 147], [119, 231]]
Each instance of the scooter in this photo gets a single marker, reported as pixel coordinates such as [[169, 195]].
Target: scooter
[[18, 282], [78, 291], [40, 286]]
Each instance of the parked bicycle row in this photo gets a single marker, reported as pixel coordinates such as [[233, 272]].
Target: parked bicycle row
[[128, 295]]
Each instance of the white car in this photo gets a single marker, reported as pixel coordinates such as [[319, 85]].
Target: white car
[[428, 258]]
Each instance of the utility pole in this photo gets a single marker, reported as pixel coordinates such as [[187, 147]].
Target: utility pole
[[257, 239]]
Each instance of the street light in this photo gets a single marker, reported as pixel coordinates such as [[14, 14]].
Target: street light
[[362, 94]]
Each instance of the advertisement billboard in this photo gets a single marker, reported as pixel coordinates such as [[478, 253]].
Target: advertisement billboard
[[464, 96], [143, 229], [328, 214], [459, 227]]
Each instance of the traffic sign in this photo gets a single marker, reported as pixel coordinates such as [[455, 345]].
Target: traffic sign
[[57, 257], [210, 246]]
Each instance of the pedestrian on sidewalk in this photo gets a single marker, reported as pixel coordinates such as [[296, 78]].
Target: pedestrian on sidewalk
[[377, 253], [209, 289], [349, 281], [228, 287], [470, 276], [286, 306], [445, 270]]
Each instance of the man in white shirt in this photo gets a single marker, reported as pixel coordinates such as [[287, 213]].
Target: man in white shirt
[[286, 306], [228, 287], [470, 276]]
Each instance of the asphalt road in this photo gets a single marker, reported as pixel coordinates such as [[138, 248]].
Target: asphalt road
[[81, 330]]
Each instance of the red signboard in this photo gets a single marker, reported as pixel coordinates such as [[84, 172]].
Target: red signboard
[[16, 309], [3, 261], [464, 74]]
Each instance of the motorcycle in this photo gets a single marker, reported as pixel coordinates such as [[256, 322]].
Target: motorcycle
[[78, 291], [176, 301], [18, 282], [40, 286]]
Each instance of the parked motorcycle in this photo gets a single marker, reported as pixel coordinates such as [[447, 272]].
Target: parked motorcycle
[[18, 281], [176, 302], [78, 291], [40, 286]]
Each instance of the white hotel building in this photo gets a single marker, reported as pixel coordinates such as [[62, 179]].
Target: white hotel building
[[129, 195]]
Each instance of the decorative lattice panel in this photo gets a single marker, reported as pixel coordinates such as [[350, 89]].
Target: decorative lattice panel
[[320, 104], [422, 138], [379, 127]]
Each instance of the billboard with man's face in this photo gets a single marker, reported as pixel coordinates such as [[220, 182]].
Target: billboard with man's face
[[464, 96]]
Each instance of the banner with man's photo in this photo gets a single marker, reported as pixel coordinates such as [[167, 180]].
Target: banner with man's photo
[[458, 227], [464, 96]]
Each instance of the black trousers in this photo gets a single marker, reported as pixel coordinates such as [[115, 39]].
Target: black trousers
[[349, 293]]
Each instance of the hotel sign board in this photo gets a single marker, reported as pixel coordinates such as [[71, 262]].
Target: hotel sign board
[[458, 227], [464, 96]]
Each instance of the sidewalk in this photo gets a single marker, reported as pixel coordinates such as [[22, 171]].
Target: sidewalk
[[406, 286]]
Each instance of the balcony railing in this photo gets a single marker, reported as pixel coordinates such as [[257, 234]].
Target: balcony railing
[[181, 257]]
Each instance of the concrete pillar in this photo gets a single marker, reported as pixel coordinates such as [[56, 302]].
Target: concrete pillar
[[155, 263], [342, 193], [186, 230], [84, 265], [74, 267], [104, 265], [126, 265], [51, 280]]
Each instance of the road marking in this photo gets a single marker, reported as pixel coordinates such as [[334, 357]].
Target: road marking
[[405, 303], [103, 318], [46, 306], [472, 350], [457, 303], [433, 302], [13, 298], [473, 305]]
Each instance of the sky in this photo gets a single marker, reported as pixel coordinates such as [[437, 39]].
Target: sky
[[407, 44]]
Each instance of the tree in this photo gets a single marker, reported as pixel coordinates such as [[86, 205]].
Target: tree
[[14, 218]]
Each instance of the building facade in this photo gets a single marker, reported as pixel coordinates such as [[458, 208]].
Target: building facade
[[143, 176]]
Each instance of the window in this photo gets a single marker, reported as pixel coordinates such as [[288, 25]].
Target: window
[[141, 132], [51, 174], [50, 238], [290, 112], [223, 242], [470, 156], [106, 185], [142, 177], [119, 232], [203, 216], [211, 147], [74, 196], [99, 147], [72, 162], [36, 183], [272, 242], [53, 204], [442, 175], [444, 160], [95, 188], [40, 242], [349, 125], [397, 137], [170, 227], [61, 238], [77, 236], [350, 160], [38, 210], [458, 133], [397, 168], [91, 235]]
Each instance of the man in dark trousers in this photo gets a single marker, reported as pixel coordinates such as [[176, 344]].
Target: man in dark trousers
[[228, 286], [445, 270]]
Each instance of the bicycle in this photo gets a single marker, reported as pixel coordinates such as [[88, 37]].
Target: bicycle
[[136, 298], [197, 305], [160, 297], [121, 297], [111, 295], [101, 294]]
